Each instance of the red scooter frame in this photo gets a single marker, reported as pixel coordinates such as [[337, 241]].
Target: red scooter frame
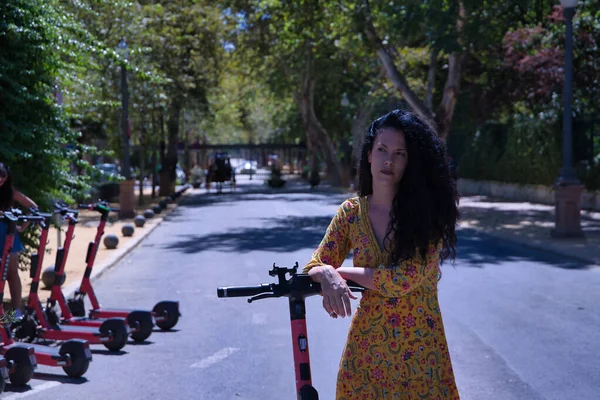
[[21, 357], [165, 313], [112, 333], [297, 289], [74, 355], [139, 323]]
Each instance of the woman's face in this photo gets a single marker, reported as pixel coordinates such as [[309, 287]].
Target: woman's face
[[389, 157]]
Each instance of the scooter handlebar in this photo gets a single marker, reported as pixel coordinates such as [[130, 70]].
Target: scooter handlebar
[[244, 291], [102, 206], [277, 289], [64, 210]]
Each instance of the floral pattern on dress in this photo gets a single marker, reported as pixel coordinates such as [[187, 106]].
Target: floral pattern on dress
[[396, 346]]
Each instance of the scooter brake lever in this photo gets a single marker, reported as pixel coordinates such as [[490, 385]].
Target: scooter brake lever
[[262, 296]]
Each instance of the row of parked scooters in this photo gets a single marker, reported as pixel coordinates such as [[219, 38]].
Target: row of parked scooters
[[72, 330]]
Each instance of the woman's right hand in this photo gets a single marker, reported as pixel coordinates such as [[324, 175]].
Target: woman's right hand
[[335, 290]]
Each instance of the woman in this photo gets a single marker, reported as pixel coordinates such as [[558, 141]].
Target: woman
[[8, 197], [400, 228]]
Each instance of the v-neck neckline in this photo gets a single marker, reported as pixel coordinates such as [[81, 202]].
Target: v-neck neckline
[[364, 207]]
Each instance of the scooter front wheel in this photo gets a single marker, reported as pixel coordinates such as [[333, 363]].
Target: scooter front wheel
[[115, 328], [80, 355], [166, 314], [24, 364], [141, 323]]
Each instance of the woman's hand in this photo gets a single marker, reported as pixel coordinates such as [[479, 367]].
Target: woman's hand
[[336, 294], [23, 227]]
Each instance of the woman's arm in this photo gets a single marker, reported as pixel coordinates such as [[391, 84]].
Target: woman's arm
[[362, 276], [23, 200]]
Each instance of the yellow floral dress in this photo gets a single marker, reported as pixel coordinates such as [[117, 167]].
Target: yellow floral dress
[[396, 347]]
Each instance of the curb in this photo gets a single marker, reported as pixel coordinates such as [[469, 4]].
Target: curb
[[118, 255], [535, 246]]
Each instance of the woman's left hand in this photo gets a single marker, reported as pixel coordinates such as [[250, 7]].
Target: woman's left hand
[[23, 227]]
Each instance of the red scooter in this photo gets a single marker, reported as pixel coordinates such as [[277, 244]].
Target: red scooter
[[165, 313], [297, 289], [73, 355], [139, 323], [21, 357], [46, 324]]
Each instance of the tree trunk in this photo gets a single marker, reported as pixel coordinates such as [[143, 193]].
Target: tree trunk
[[317, 136], [143, 139], [154, 174], [359, 128], [153, 160], [431, 77], [442, 118], [168, 175]]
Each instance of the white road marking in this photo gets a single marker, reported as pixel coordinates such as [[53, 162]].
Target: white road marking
[[259, 318], [215, 358], [35, 390]]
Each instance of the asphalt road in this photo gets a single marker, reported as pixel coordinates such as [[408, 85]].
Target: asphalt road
[[520, 324]]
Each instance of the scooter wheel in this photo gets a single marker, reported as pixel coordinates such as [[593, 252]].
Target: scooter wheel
[[116, 327], [3, 373], [23, 365], [80, 358], [142, 320], [166, 314]]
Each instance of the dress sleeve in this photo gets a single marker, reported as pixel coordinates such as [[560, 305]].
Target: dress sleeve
[[399, 280], [336, 243]]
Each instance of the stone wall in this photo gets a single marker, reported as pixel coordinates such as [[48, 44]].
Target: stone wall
[[530, 193]]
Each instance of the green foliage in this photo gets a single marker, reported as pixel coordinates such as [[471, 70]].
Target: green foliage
[[526, 151], [38, 47], [36, 140]]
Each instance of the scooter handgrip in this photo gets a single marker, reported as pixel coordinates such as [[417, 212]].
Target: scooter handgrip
[[243, 291]]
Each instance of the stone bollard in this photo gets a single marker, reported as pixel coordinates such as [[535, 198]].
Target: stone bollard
[[157, 209], [48, 277], [111, 241], [127, 230], [148, 214], [139, 221]]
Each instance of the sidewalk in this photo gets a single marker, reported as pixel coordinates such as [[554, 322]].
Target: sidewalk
[[530, 225], [85, 231]]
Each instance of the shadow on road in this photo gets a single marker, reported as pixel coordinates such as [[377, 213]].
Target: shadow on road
[[476, 249], [10, 388], [282, 234], [109, 352], [42, 376], [294, 193]]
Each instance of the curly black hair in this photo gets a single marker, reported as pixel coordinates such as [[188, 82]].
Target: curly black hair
[[6, 190], [425, 207]]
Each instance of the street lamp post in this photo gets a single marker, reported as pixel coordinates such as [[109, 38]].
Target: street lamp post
[[127, 196], [568, 188]]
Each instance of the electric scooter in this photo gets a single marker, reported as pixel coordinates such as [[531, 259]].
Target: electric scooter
[[139, 323], [297, 289], [165, 313], [74, 355], [112, 333], [21, 357]]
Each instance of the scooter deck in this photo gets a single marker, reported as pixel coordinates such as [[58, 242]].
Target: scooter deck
[[112, 312], [82, 321], [65, 332], [49, 355]]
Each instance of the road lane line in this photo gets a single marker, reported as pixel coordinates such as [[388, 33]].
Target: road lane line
[[259, 318], [215, 358], [35, 390]]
